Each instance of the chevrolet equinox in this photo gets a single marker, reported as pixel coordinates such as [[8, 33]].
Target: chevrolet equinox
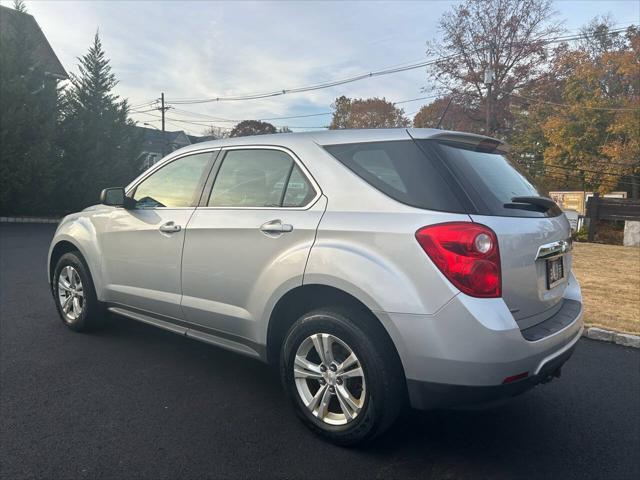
[[377, 268]]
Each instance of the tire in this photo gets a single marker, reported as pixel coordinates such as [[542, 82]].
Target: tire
[[72, 272], [380, 399]]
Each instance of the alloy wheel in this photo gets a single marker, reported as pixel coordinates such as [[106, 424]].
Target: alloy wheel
[[330, 379], [70, 293]]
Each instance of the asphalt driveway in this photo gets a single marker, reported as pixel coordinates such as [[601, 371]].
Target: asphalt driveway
[[135, 402]]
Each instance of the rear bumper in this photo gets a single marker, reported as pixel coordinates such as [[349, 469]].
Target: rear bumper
[[428, 395], [464, 352]]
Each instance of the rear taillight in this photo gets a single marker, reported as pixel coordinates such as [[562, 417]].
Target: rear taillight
[[467, 253]]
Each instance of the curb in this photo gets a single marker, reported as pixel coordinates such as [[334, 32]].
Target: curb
[[624, 339], [29, 220]]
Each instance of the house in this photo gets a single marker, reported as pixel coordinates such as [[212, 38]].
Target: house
[[13, 23], [156, 144], [205, 138]]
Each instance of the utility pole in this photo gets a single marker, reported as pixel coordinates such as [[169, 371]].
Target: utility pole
[[163, 109], [488, 81]]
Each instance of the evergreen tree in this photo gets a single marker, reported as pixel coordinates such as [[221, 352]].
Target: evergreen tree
[[99, 142], [28, 106]]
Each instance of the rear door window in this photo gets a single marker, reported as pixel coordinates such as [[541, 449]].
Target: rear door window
[[299, 191], [260, 178], [401, 170]]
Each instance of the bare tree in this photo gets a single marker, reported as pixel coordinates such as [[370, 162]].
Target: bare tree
[[20, 6], [507, 37], [216, 132]]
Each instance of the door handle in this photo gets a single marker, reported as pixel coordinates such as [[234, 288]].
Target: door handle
[[170, 227], [276, 227]]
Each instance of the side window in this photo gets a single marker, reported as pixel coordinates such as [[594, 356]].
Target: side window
[[255, 178], [299, 190], [378, 164], [401, 170], [178, 184]]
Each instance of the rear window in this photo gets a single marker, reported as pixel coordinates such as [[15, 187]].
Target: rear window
[[400, 170], [490, 180]]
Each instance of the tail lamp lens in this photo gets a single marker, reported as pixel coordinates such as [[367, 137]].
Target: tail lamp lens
[[467, 254]]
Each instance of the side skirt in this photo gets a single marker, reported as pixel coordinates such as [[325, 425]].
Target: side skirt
[[197, 332]]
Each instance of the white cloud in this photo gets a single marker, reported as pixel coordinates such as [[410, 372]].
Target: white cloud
[[205, 49]]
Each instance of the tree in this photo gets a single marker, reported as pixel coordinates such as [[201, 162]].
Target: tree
[[99, 142], [457, 116], [19, 6], [216, 132], [505, 36], [284, 129], [366, 113], [595, 133], [28, 106], [252, 127]]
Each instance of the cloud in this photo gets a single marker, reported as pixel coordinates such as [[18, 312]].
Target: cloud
[[208, 49]]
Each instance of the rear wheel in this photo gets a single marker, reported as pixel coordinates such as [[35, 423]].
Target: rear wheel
[[345, 384], [75, 295]]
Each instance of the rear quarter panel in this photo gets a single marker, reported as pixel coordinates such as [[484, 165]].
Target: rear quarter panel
[[375, 257]]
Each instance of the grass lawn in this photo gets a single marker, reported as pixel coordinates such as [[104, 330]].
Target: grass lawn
[[610, 279]]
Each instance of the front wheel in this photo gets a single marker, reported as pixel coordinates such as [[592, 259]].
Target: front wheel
[[345, 384], [75, 295]]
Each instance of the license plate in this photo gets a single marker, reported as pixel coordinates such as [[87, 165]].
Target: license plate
[[555, 272]]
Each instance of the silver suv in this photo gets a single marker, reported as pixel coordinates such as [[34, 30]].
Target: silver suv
[[375, 267]]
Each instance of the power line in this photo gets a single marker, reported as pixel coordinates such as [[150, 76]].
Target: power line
[[618, 164], [578, 178], [582, 170], [183, 112], [377, 73], [144, 104], [208, 124], [570, 178], [285, 91], [387, 71], [536, 100]]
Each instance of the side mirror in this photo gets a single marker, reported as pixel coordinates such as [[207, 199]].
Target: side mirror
[[115, 197]]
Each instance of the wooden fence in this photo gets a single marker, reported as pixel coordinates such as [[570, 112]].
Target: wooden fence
[[599, 208]]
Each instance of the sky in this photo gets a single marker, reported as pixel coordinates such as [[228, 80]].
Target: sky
[[200, 49]]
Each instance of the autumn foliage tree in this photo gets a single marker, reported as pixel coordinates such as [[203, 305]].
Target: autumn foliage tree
[[454, 115], [596, 131], [366, 113]]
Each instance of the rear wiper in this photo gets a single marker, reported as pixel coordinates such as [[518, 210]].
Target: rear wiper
[[542, 203]]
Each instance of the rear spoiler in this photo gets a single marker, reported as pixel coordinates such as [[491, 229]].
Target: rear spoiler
[[477, 142]]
